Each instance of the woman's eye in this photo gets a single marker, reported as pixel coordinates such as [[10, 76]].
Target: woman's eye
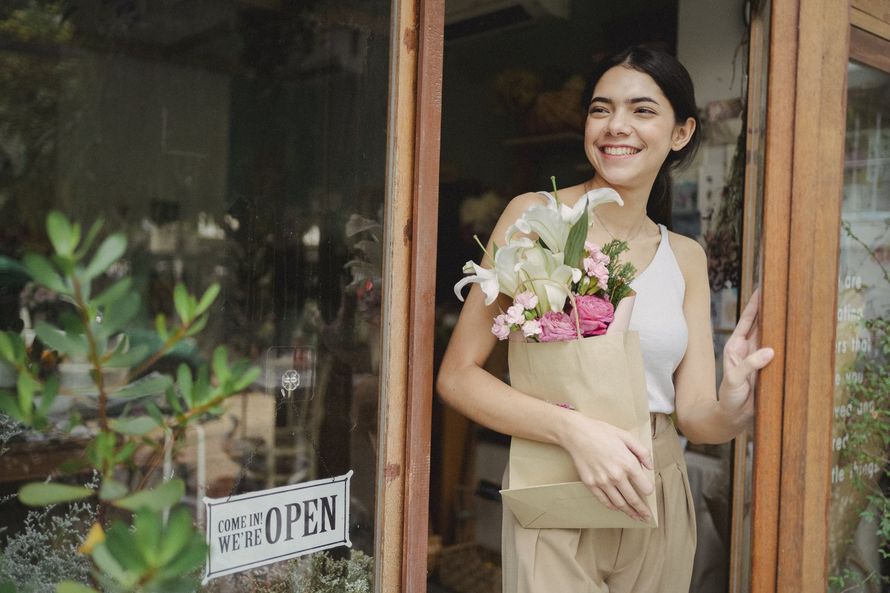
[[596, 109], [645, 111]]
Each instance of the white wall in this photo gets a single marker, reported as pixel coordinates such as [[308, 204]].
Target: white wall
[[709, 31]]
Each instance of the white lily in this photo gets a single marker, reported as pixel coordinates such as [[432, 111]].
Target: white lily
[[553, 221], [502, 277], [547, 275]]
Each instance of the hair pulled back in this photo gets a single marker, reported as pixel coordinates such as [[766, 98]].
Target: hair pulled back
[[674, 81]]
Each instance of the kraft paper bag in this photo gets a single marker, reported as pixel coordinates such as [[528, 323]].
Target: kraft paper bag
[[601, 377]]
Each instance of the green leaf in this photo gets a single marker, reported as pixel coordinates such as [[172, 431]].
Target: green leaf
[[135, 426], [184, 381], [114, 292], [181, 302], [73, 587], [60, 233], [193, 556], [6, 348], [150, 385], [220, 363], [130, 358], [73, 345], [88, 241], [199, 324], [125, 453], [173, 400], [161, 326], [209, 296], [119, 313], [42, 494], [9, 406], [48, 395], [148, 534], [111, 567], [246, 379], [575, 242], [201, 390], [179, 532], [111, 250], [26, 386], [123, 546], [162, 497], [154, 412], [111, 489], [43, 272]]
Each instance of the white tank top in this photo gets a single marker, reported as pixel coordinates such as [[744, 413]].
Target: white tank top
[[658, 318]]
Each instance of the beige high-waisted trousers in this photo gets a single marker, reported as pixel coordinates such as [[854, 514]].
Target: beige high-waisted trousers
[[657, 560]]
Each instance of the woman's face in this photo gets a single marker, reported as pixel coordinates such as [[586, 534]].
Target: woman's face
[[631, 128]]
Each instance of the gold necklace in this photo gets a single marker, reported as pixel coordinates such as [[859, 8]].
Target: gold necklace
[[630, 238], [602, 224]]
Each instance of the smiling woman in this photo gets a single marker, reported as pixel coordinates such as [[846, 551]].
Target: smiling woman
[[641, 123]]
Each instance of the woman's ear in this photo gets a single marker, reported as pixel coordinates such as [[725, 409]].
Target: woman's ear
[[682, 134]]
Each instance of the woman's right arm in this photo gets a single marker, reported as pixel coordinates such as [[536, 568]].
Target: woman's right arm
[[608, 459]]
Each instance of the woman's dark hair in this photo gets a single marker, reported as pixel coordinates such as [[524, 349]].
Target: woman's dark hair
[[674, 81]]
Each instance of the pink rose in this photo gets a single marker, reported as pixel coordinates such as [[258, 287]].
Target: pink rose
[[556, 326], [500, 328], [595, 314]]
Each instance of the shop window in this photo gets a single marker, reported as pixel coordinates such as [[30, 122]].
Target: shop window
[[240, 143]]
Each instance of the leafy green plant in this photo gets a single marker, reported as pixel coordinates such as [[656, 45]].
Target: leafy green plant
[[324, 574], [146, 553]]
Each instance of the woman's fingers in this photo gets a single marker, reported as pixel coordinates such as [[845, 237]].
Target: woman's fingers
[[601, 496], [750, 364], [641, 452], [748, 317], [639, 508]]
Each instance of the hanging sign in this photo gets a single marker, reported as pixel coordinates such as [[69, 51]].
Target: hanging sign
[[259, 528]]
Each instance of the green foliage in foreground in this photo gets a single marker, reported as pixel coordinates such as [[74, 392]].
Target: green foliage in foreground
[[147, 553]]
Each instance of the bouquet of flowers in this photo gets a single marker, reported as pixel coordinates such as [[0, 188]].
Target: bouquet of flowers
[[568, 321], [562, 285]]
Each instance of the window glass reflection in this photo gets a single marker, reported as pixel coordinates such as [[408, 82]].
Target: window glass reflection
[[858, 535], [237, 142]]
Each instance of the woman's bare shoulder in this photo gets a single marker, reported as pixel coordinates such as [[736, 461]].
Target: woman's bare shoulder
[[690, 255], [523, 202]]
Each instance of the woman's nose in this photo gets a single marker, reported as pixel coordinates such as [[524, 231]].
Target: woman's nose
[[618, 124]]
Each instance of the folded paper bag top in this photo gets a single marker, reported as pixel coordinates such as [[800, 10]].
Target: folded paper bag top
[[601, 377]]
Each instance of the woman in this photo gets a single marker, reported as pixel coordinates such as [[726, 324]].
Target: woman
[[641, 123]]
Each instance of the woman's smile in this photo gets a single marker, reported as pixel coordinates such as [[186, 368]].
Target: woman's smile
[[629, 129]]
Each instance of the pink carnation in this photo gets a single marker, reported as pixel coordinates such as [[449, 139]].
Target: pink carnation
[[515, 315], [556, 326], [527, 299], [595, 264], [595, 314], [532, 327], [500, 328]]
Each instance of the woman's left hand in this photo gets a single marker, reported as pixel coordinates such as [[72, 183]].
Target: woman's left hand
[[742, 358]]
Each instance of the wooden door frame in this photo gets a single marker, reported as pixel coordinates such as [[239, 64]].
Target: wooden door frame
[[408, 309], [802, 202]]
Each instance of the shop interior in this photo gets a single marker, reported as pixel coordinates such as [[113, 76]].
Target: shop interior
[[511, 118]]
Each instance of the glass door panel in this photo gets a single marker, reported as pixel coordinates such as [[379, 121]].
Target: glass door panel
[[858, 532]]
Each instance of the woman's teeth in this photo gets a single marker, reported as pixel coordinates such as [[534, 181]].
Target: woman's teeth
[[619, 150]]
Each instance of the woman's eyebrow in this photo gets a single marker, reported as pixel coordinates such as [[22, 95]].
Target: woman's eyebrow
[[631, 101]]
